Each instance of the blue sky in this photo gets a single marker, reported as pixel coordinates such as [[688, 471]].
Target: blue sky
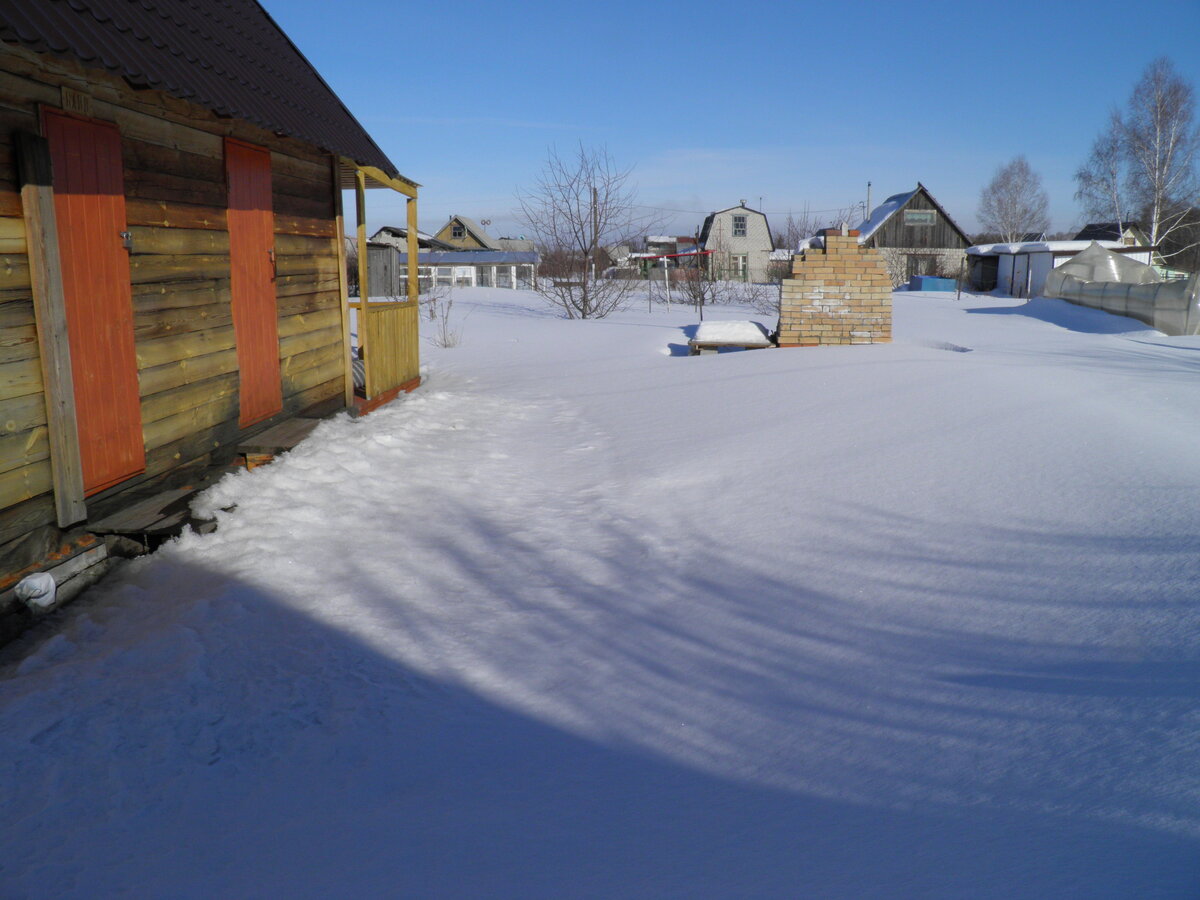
[[711, 103]]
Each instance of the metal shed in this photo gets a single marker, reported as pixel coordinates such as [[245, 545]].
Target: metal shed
[[1020, 269]]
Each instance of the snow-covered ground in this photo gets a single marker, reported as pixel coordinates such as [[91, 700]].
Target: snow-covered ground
[[586, 617]]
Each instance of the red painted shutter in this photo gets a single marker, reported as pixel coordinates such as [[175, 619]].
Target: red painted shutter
[[89, 205], [252, 280]]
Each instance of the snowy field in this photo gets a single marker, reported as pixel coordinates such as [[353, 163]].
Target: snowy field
[[586, 617]]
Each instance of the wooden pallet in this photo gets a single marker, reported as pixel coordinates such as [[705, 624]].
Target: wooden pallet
[[263, 447], [154, 518]]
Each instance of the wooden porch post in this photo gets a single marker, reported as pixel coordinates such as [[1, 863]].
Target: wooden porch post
[[364, 288], [50, 316], [343, 280], [413, 251]]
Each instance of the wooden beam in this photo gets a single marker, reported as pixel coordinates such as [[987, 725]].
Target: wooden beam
[[343, 282], [414, 288], [401, 184], [49, 303], [364, 289]]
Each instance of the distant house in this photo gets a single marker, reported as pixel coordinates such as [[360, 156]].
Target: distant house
[[917, 236], [461, 233], [397, 236], [516, 245], [738, 243], [661, 245], [1129, 234]]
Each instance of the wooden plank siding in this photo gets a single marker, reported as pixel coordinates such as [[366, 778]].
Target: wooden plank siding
[[173, 158], [940, 235]]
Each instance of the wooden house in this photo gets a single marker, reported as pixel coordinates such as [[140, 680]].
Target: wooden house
[[915, 234], [461, 233], [172, 274]]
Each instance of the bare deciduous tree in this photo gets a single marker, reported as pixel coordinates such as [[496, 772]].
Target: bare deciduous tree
[[795, 229], [580, 204], [1146, 159], [1101, 180], [1014, 201]]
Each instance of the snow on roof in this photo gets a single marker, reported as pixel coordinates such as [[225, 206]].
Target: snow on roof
[[781, 254], [1038, 247], [883, 212]]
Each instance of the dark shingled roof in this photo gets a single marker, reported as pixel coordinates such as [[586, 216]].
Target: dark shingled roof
[[228, 56], [1104, 231]]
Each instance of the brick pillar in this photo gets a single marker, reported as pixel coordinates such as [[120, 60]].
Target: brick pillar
[[839, 295]]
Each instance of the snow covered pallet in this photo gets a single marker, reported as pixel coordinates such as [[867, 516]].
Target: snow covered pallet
[[712, 337]]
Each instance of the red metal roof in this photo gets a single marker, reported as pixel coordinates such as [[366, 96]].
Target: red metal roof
[[228, 56]]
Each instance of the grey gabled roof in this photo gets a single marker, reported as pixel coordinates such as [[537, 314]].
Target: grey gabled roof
[[228, 56]]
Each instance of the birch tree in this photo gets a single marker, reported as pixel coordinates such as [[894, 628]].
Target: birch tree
[[1014, 202], [1160, 144], [1146, 159]]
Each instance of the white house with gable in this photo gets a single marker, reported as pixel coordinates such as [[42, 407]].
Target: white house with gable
[[738, 243]]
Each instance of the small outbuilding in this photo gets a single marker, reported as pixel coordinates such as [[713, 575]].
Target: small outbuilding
[[1020, 269], [451, 268]]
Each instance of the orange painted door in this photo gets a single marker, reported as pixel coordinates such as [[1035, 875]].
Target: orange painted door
[[89, 205], [252, 280]]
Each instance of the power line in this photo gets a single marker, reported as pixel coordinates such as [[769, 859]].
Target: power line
[[781, 212]]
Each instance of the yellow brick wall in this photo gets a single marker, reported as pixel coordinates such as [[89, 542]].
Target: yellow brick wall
[[839, 295]]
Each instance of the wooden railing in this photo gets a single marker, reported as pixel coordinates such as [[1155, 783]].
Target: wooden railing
[[388, 333], [391, 335]]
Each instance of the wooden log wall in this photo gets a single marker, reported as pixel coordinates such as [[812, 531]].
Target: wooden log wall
[[179, 267]]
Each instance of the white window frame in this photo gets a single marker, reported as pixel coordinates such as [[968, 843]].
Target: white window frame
[[740, 226]]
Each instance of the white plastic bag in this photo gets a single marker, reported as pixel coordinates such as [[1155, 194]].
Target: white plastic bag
[[37, 591]]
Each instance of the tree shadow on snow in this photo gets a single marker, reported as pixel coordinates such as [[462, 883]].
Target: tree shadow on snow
[[229, 745]]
